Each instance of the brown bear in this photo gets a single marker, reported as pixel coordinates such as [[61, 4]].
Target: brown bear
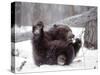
[[61, 32], [51, 48]]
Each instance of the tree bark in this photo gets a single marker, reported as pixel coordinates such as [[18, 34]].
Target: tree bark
[[90, 36]]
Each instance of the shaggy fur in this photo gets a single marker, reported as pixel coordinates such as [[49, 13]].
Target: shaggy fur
[[61, 32], [51, 46]]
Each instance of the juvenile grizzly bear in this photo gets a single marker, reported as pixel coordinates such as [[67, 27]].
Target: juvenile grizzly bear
[[50, 49]]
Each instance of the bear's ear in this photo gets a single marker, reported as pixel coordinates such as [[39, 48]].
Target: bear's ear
[[40, 24], [55, 25]]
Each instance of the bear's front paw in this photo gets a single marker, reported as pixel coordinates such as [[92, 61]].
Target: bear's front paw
[[78, 41]]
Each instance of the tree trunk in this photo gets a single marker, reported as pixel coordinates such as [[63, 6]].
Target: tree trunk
[[90, 36]]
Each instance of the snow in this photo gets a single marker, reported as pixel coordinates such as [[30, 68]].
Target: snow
[[22, 29], [85, 59]]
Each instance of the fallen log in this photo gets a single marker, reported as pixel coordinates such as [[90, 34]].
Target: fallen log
[[81, 19]]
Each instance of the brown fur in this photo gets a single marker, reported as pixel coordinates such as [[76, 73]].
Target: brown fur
[[48, 45]]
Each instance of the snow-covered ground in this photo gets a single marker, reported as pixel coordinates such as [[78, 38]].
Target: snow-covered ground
[[85, 59]]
